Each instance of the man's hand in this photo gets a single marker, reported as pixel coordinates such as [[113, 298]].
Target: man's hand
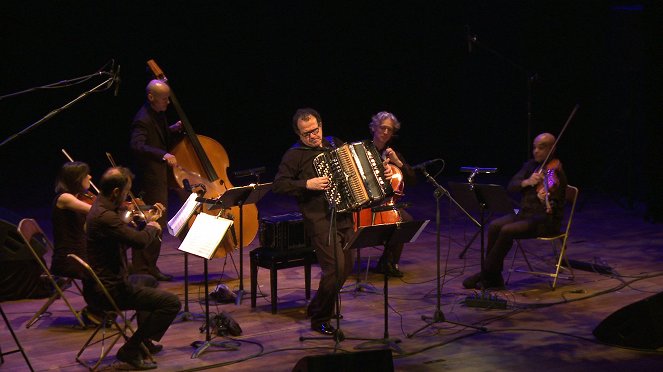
[[317, 183], [170, 159], [177, 127], [533, 180]]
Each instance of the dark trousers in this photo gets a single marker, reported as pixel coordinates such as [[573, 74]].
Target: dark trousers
[[156, 309], [501, 233], [321, 307]]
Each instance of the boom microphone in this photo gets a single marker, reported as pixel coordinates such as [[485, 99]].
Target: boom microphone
[[116, 80], [425, 164]]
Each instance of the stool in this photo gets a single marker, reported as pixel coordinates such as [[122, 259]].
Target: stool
[[276, 260]]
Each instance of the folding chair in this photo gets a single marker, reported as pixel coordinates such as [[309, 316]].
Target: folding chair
[[110, 318], [561, 238], [29, 229]]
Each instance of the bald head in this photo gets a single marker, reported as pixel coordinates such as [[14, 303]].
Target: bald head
[[158, 93], [542, 145]]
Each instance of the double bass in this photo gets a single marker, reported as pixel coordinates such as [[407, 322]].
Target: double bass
[[201, 159]]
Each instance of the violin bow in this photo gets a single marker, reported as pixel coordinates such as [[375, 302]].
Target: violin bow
[[71, 159], [554, 146]]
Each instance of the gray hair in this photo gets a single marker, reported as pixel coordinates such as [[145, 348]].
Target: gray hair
[[381, 116]]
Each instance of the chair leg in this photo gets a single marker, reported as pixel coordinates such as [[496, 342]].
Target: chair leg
[[58, 294], [18, 343], [562, 258]]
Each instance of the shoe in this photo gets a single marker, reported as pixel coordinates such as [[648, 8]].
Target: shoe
[[152, 347], [162, 277], [389, 269], [325, 328], [134, 358], [472, 282], [492, 281]]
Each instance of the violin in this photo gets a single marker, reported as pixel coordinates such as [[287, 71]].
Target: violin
[[87, 197], [550, 182], [138, 214]]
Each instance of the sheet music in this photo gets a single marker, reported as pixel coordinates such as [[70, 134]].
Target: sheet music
[[176, 224], [205, 235]]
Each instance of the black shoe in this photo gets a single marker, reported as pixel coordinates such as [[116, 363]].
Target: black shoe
[[325, 328], [152, 347], [492, 281], [134, 358], [396, 273], [162, 277], [472, 282]]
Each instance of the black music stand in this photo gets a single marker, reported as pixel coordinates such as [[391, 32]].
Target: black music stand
[[238, 197], [207, 255], [392, 233], [358, 285], [185, 314], [481, 198]]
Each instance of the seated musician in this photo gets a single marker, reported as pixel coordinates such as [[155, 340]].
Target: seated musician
[[297, 177], [107, 238], [540, 214], [384, 126]]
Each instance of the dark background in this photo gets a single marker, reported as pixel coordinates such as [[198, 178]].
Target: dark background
[[241, 68]]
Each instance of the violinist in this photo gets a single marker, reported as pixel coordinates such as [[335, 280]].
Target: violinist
[[151, 137], [71, 204], [542, 188], [384, 126], [107, 237]]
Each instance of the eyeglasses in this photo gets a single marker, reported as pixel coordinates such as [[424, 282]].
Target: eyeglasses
[[311, 132], [385, 128]]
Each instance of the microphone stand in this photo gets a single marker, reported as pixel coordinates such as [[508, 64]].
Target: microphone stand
[[532, 77], [438, 315], [108, 82]]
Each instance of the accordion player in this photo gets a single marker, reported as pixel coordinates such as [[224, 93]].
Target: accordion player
[[356, 176]]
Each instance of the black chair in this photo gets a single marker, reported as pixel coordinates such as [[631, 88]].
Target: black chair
[[275, 260]]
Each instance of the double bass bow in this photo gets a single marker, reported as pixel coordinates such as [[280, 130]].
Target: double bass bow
[[203, 160]]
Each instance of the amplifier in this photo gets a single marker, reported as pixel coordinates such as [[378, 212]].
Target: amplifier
[[283, 232]]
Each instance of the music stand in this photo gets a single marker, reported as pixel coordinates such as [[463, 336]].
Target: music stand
[[358, 285], [481, 198], [178, 232], [392, 233], [201, 242], [238, 197]]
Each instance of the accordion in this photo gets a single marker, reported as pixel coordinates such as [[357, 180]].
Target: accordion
[[356, 176]]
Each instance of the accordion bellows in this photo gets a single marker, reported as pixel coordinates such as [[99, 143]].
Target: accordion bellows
[[356, 175]]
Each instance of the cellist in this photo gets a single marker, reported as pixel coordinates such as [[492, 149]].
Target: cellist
[[151, 137], [541, 183], [383, 127]]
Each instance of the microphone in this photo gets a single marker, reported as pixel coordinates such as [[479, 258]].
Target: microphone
[[116, 80], [478, 170], [425, 164], [250, 172]]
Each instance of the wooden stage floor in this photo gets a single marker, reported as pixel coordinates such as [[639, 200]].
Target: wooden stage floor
[[540, 329]]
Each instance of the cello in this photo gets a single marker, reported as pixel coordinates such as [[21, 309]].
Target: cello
[[387, 212], [201, 159]]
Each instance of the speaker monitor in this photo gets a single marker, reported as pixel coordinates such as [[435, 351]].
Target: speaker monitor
[[638, 325], [362, 361]]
